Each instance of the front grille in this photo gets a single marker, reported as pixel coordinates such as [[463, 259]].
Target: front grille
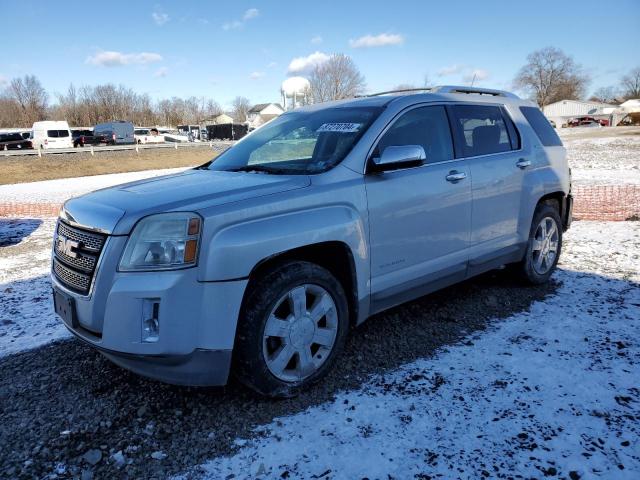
[[76, 253], [90, 240], [71, 278]]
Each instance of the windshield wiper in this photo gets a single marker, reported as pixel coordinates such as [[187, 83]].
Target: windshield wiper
[[257, 168]]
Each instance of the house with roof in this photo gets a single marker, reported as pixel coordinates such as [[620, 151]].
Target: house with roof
[[262, 113], [564, 110]]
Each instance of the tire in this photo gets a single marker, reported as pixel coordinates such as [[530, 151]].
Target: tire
[[537, 266], [275, 352]]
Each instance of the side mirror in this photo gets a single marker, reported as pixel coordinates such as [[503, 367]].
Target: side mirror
[[401, 156]]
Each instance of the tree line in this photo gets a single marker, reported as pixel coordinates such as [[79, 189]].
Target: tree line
[[549, 75], [25, 101]]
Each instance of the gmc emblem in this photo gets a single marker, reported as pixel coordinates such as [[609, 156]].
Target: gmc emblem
[[66, 246]]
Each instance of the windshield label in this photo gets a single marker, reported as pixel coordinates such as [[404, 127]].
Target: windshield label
[[339, 127]]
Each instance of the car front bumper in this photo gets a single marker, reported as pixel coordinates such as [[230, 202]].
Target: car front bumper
[[200, 368], [197, 323]]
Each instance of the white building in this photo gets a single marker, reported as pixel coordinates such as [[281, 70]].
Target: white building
[[564, 110], [263, 112]]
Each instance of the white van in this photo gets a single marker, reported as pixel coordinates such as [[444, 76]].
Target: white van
[[51, 134]]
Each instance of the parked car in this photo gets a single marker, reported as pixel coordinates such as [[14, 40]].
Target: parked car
[[260, 263], [117, 132], [86, 137], [14, 141], [586, 121], [148, 135]]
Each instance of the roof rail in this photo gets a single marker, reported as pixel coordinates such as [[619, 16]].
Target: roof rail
[[473, 90], [401, 90], [446, 89]]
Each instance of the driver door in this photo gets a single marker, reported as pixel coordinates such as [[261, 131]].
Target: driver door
[[419, 217]]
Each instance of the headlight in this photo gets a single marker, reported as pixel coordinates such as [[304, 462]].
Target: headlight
[[166, 241]]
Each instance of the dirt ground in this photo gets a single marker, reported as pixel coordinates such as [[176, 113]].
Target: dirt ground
[[49, 167]]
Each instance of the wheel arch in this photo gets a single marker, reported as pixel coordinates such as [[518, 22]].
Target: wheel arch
[[334, 256]]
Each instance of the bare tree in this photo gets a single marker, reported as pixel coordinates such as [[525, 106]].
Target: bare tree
[[241, 108], [31, 97], [631, 84], [9, 112], [551, 75], [605, 95], [335, 79], [212, 109]]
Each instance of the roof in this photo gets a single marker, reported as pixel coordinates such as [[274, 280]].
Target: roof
[[261, 106], [427, 96]]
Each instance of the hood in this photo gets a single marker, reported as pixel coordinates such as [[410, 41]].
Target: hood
[[124, 205]]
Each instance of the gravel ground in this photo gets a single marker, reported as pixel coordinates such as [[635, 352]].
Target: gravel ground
[[68, 412]]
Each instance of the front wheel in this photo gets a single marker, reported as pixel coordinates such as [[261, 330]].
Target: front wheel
[[293, 325], [544, 246]]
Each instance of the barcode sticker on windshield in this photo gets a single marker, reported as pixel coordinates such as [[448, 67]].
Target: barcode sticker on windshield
[[339, 127]]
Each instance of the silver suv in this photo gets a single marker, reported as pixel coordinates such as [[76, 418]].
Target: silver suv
[[258, 263]]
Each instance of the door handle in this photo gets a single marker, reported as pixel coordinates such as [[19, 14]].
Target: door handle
[[522, 163], [455, 176]]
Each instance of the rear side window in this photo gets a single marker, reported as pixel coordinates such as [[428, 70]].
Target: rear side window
[[546, 133], [483, 130], [425, 126]]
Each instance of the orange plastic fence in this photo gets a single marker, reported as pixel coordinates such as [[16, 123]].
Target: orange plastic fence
[[591, 202]]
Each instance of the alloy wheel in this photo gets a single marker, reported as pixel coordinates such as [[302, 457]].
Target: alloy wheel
[[545, 245], [300, 333]]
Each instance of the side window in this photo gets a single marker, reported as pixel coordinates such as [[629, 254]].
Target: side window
[[426, 126], [545, 132], [482, 130]]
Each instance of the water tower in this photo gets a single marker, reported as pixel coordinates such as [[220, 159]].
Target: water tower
[[295, 92]]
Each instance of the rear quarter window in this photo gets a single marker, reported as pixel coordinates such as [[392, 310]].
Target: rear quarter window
[[545, 132]]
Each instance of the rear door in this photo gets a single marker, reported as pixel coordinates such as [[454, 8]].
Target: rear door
[[419, 217], [486, 136]]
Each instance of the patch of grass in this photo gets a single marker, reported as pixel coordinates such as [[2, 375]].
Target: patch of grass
[[50, 167]]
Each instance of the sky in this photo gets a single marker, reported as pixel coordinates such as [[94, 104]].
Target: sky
[[224, 49]]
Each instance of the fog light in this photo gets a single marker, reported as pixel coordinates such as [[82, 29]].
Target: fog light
[[150, 320]]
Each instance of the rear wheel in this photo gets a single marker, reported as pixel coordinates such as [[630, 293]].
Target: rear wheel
[[293, 325], [544, 246]]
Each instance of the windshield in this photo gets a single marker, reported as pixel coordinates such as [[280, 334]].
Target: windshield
[[299, 142]]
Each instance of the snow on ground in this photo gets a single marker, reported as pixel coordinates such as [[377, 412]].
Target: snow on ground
[[549, 392], [26, 308], [612, 160], [58, 191]]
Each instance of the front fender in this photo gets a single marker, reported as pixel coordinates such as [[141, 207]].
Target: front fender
[[236, 249]]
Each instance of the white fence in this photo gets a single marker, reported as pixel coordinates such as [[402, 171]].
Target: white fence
[[91, 150]]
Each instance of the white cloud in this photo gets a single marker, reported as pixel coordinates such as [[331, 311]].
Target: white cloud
[[450, 70], [251, 13], [381, 40], [248, 15], [117, 59], [232, 25], [256, 75], [4, 81], [161, 72], [203, 21], [308, 63], [317, 40], [272, 64], [160, 18], [476, 75]]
